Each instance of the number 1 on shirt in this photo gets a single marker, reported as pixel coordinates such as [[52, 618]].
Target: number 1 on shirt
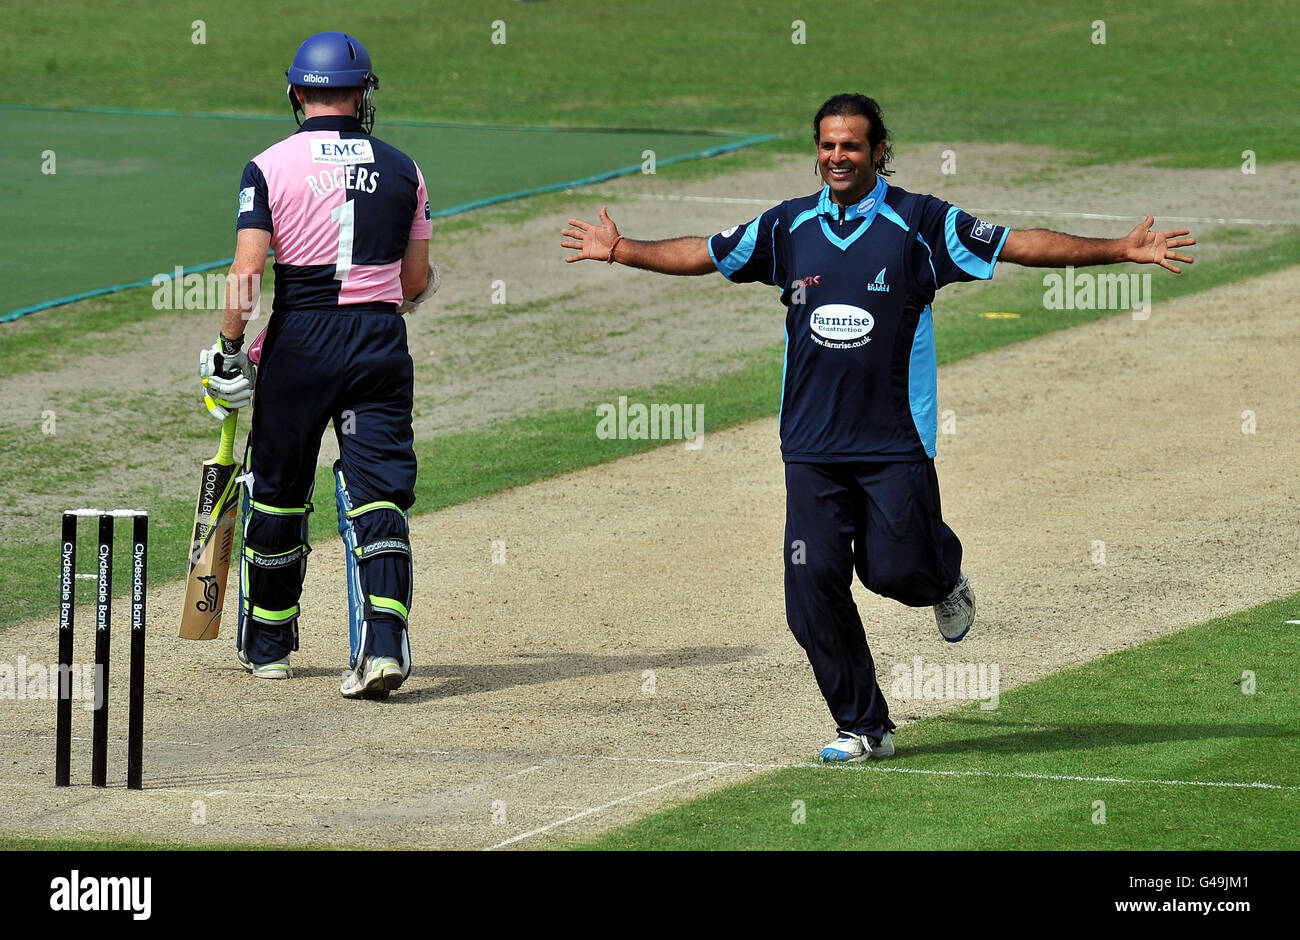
[[345, 215]]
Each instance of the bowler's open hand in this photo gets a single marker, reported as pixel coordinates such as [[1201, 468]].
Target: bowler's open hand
[[590, 241], [1147, 247]]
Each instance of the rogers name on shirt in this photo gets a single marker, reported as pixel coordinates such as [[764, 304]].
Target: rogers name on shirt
[[354, 178]]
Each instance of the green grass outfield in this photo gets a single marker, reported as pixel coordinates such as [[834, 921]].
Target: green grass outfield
[[162, 187], [1195, 88], [1162, 734]]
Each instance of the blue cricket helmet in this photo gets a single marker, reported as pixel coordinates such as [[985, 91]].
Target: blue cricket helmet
[[334, 60]]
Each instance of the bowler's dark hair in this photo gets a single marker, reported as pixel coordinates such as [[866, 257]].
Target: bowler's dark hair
[[847, 105]]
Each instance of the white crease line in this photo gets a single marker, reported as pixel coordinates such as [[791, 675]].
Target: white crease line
[[592, 810], [1223, 784], [674, 760], [250, 745], [269, 745], [492, 781], [81, 790], [361, 796], [1045, 213], [1063, 777]]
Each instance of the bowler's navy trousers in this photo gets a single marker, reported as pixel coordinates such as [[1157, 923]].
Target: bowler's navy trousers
[[882, 519]]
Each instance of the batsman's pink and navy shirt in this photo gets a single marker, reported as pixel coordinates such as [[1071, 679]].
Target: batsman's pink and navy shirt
[[329, 196], [859, 382]]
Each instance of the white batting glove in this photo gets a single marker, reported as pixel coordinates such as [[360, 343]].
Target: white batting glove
[[430, 288], [227, 377]]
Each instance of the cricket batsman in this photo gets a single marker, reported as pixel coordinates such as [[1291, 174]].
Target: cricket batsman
[[858, 265], [348, 218]]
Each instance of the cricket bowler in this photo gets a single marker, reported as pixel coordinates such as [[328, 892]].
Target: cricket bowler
[[858, 264]]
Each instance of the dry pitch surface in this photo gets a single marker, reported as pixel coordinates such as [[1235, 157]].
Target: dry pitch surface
[[632, 652]]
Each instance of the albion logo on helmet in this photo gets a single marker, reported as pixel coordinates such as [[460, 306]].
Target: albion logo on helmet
[[312, 78]]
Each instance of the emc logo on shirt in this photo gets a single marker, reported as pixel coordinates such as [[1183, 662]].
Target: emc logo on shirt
[[344, 152]]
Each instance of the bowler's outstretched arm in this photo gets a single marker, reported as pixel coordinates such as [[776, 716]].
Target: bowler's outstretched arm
[[1041, 248], [688, 255]]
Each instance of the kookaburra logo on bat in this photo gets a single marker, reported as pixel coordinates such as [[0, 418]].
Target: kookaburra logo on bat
[[210, 592]]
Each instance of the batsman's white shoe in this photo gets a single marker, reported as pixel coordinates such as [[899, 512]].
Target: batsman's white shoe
[[956, 612], [374, 678], [277, 670], [850, 748]]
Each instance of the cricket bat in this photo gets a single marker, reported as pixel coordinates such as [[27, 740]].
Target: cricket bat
[[214, 536]]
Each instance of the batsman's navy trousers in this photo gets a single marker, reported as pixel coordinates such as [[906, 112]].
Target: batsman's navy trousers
[[349, 365], [882, 519]]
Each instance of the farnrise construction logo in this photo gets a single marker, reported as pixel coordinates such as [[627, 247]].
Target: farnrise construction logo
[[841, 326]]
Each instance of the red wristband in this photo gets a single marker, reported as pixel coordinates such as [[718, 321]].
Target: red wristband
[[610, 259]]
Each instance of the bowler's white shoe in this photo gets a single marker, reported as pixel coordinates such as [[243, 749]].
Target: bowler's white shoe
[[850, 748], [374, 678], [956, 612]]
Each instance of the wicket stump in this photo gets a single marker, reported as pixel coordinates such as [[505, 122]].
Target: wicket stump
[[103, 577]]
